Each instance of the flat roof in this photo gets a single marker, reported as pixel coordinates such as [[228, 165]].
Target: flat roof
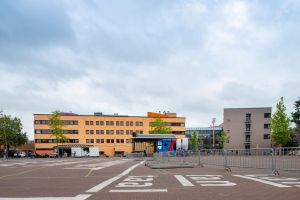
[[109, 116], [154, 136], [250, 108], [216, 128]]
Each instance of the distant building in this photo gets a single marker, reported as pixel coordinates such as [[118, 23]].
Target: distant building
[[205, 135], [112, 134], [247, 127]]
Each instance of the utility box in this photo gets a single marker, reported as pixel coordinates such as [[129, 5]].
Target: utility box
[[94, 152]]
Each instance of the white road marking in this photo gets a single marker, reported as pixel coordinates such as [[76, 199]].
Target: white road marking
[[278, 179], [141, 190], [216, 183], [78, 197], [104, 184], [133, 184], [263, 181], [183, 181], [204, 175]]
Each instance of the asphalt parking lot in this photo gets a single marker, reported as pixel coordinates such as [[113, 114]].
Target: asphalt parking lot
[[118, 178]]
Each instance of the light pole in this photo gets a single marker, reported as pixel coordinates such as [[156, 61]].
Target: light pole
[[213, 122]]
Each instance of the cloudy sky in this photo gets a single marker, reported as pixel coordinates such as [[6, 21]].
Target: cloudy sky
[[133, 56]]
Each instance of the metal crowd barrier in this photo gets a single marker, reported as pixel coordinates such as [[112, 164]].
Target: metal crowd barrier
[[259, 158]]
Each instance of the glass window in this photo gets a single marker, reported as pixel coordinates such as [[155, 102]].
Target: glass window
[[117, 123], [111, 123], [107, 140], [111, 132], [97, 140], [102, 140], [266, 126], [102, 131], [131, 123], [266, 136], [87, 131], [121, 123], [91, 131], [87, 122], [137, 123], [117, 132], [101, 123], [107, 131], [91, 123], [127, 132], [127, 123], [141, 123], [97, 123], [97, 131], [107, 123], [267, 115], [128, 141]]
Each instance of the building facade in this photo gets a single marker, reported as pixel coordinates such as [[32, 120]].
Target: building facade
[[205, 136], [112, 134], [247, 127]]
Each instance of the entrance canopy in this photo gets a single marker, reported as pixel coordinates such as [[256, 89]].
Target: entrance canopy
[[148, 143]]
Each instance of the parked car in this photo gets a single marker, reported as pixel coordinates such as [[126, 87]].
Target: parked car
[[54, 155], [19, 154], [32, 155]]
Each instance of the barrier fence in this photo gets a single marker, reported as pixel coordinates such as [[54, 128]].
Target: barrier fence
[[260, 158]]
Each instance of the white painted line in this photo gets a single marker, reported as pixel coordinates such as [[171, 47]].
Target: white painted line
[[183, 181], [141, 190], [263, 181], [104, 184], [205, 175], [290, 183], [78, 197], [216, 183]]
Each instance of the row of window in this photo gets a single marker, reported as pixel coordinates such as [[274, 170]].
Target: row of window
[[112, 123], [54, 141], [66, 122], [47, 131], [111, 132], [108, 140], [107, 123]]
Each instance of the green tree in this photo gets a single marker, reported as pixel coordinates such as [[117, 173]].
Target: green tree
[[280, 125], [222, 139], [194, 141], [296, 115], [56, 126], [11, 132], [159, 126]]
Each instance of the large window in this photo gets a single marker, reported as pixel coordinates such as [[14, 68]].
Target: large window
[[266, 126], [266, 136], [267, 115]]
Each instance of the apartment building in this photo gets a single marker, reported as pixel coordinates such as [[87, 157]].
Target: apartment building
[[112, 134], [247, 127]]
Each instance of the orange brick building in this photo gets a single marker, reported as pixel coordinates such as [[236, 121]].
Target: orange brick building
[[110, 133]]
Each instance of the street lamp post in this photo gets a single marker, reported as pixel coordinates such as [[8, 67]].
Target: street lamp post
[[213, 122]]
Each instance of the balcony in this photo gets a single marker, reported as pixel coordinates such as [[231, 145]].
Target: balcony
[[247, 140], [248, 120]]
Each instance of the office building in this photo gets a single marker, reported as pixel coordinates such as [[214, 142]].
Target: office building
[[205, 136], [112, 134]]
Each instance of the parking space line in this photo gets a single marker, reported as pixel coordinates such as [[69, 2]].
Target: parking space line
[[78, 197], [140, 190], [263, 181], [104, 184], [183, 181], [21, 173]]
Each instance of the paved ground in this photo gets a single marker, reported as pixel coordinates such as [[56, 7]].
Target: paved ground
[[117, 178]]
